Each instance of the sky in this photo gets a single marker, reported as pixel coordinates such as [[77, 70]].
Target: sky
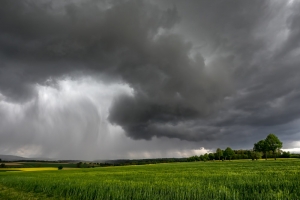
[[127, 79]]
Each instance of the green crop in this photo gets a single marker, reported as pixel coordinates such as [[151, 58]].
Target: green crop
[[198, 180]]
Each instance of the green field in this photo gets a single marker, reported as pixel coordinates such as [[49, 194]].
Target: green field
[[197, 180]]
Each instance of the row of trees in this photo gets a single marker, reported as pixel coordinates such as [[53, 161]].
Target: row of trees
[[271, 143], [269, 147], [227, 154]]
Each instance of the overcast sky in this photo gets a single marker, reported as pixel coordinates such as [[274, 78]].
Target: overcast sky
[[111, 79]]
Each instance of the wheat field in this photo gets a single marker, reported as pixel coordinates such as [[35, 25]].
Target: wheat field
[[198, 180]]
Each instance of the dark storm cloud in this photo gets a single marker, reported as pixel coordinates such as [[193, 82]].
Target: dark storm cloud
[[39, 40], [200, 70], [237, 38]]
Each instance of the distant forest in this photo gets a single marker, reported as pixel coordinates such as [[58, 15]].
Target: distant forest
[[238, 154]]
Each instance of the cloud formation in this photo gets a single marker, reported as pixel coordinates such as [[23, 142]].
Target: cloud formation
[[217, 73]]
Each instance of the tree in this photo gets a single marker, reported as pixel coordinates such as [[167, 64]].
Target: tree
[[273, 144], [201, 157], [60, 167], [261, 146], [228, 153], [211, 156], [219, 153], [205, 157], [78, 165], [255, 155], [286, 154], [193, 158]]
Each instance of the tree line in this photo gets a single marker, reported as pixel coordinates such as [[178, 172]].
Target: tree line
[[267, 148]]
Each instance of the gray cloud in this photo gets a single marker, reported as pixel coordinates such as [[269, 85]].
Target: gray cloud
[[207, 71]]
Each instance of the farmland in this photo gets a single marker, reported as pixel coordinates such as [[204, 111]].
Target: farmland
[[243, 179]]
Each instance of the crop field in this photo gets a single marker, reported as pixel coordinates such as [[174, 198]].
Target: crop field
[[38, 164], [31, 169], [197, 180]]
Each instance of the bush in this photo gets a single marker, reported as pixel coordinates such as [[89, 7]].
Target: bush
[[78, 165], [60, 167]]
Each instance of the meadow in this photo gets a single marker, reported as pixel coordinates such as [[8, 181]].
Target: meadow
[[243, 179]]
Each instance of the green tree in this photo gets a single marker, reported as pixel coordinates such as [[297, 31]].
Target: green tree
[[261, 146], [193, 158], [219, 153], [211, 156], [205, 157], [78, 165], [201, 157], [286, 154], [228, 153], [273, 144], [255, 155]]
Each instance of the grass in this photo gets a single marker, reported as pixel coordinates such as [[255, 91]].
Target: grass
[[198, 180], [11, 194]]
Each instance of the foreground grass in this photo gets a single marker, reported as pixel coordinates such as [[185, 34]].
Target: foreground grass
[[11, 194], [200, 180]]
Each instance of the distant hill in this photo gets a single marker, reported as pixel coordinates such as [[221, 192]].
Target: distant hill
[[14, 158], [11, 158]]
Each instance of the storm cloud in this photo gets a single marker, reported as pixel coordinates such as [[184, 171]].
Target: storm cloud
[[206, 73]]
